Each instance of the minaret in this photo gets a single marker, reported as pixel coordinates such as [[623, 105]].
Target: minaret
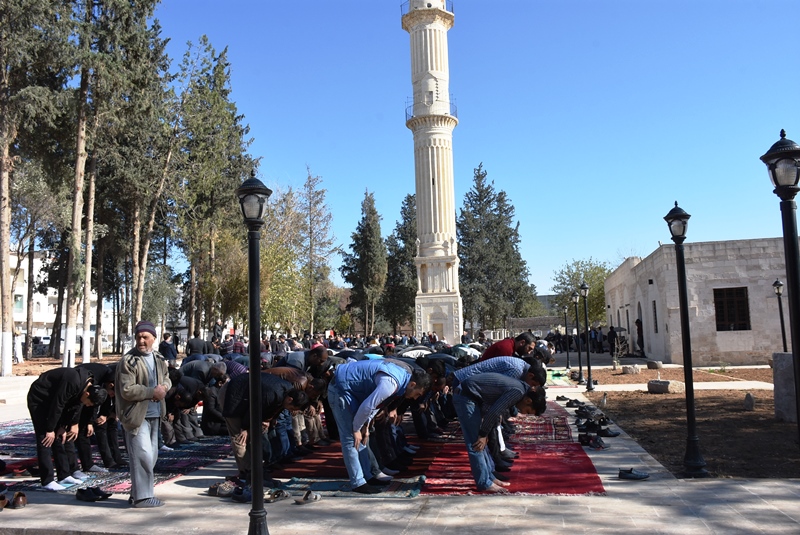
[[432, 119]]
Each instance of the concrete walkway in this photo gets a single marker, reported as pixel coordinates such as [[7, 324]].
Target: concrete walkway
[[661, 504]]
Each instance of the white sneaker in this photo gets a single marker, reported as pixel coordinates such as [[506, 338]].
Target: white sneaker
[[77, 474], [69, 480], [54, 486], [164, 447], [383, 477], [98, 469]]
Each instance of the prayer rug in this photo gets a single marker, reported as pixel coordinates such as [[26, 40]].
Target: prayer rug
[[558, 378], [17, 446], [399, 487]]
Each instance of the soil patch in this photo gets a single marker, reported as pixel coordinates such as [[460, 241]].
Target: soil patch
[[607, 376]]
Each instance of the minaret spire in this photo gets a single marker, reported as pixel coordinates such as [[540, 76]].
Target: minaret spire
[[432, 118]]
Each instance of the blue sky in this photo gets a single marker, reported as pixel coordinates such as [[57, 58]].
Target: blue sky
[[594, 116]]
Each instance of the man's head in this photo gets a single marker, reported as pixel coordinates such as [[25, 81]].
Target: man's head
[[145, 333], [227, 336], [533, 402], [93, 395], [316, 387], [419, 384], [537, 373], [166, 337], [295, 400], [523, 344], [317, 355], [218, 370], [196, 333]]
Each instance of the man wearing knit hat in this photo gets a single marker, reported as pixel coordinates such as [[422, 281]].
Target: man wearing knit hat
[[142, 382]]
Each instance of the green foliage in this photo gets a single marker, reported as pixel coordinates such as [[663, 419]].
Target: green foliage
[[492, 274], [365, 267], [397, 302], [569, 278], [160, 294]]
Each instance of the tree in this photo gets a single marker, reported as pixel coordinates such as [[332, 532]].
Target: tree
[[316, 243], [492, 274], [568, 279], [365, 267], [397, 302]]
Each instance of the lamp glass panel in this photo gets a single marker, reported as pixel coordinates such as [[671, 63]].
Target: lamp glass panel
[[786, 172], [251, 206], [677, 227]]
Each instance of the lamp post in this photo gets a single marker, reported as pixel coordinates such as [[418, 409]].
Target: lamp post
[[575, 298], [778, 286], [253, 197], [693, 461], [584, 289], [566, 331], [783, 163]]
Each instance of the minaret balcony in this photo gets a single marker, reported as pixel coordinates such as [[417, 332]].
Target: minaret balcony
[[439, 107], [426, 4]]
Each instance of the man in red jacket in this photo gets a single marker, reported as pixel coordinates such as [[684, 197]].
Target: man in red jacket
[[510, 347]]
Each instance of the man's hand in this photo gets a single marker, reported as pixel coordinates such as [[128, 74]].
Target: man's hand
[[101, 420], [159, 393], [241, 438], [480, 444], [72, 434], [356, 439], [89, 430], [48, 439]]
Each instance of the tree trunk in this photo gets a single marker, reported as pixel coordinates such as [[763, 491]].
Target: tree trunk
[[87, 279], [29, 296], [75, 266], [190, 313], [6, 305], [136, 312], [98, 321]]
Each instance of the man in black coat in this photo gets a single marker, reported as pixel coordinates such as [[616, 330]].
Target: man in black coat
[[167, 349], [196, 345]]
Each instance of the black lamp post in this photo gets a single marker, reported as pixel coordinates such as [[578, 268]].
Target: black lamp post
[[693, 461], [778, 286], [584, 289], [566, 332], [783, 162], [253, 197], [575, 298]]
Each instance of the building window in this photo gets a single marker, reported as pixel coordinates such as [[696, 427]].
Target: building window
[[17, 303], [37, 307], [655, 318], [732, 309]]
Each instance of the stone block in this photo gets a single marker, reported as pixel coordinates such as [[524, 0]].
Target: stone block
[[749, 402], [630, 369], [665, 387], [783, 378], [654, 364]]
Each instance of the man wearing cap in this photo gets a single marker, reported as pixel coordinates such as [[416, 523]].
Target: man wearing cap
[[142, 382]]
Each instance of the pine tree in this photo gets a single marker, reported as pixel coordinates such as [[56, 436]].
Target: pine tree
[[569, 278], [364, 268], [397, 303]]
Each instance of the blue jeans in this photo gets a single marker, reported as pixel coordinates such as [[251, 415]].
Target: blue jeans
[[480, 463], [356, 460]]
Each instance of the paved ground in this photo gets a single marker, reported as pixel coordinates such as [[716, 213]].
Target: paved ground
[[661, 504]]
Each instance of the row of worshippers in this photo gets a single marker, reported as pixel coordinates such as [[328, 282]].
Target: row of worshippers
[[365, 393]]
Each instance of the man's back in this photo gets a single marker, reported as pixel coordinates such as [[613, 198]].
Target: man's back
[[195, 345]]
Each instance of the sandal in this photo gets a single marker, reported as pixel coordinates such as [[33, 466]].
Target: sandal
[[276, 496], [308, 497]]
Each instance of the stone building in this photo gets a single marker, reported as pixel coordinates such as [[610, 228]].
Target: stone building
[[733, 310]]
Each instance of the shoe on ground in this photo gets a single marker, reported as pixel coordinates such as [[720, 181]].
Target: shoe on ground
[[574, 404], [632, 474], [148, 503], [77, 474], [100, 493], [596, 443], [86, 495], [69, 480], [98, 469], [53, 486], [366, 488], [562, 398], [606, 432]]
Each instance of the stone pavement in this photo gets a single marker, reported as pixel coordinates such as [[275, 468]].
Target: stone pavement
[[661, 504]]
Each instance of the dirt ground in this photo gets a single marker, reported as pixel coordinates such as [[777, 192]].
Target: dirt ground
[[733, 442]]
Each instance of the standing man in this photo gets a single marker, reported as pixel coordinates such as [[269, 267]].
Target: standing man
[[612, 340], [218, 330], [196, 346], [142, 382], [167, 349], [640, 337]]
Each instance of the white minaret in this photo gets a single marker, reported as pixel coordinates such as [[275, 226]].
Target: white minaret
[[432, 120]]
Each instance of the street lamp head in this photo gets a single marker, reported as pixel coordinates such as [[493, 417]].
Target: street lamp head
[[253, 195], [778, 287], [575, 297], [584, 289], [678, 221], [565, 309], [783, 164]]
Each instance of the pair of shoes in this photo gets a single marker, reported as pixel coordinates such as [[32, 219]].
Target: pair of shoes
[[242, 495], [366, 488], [632, 474], [588, 413], [309, 497], [97, 491], [98, 469], [562, 398], [596, 443], [86, 495], [276, 496], [606, 432], [69, 480], [590, 427], [77, 474], [574, 403], [148, 503], [55, 487]]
